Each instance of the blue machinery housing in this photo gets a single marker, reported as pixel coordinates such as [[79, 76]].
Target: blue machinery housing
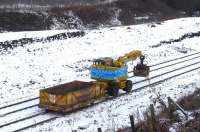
[[108, 74]]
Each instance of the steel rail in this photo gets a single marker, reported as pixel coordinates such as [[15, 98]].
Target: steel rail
[[21, 102], [174, 63], [33, 125], [174, 59], [22, 119], [171, 60], [18, 110], [157, 82], [180, 68]]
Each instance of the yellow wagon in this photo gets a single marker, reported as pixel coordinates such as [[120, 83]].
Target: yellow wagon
[[70, 96]]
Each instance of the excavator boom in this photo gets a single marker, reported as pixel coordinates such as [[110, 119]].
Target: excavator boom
[[133, 55]]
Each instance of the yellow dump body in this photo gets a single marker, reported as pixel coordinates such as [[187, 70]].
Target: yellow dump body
[[70, 96]]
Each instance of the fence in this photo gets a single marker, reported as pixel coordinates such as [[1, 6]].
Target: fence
[[153, 121]]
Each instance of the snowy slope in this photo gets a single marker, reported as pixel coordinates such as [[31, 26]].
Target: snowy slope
[[25, 70]]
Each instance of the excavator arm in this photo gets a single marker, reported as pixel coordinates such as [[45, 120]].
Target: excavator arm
[[133, 55], [140, 69]]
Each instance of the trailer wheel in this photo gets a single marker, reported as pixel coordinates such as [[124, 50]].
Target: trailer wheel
[[129, 85], [113, 91]]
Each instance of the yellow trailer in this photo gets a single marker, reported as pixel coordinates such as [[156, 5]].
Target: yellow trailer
[[70, 96]]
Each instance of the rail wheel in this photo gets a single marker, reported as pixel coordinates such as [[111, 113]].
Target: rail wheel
[[113, 91], [129, 85]]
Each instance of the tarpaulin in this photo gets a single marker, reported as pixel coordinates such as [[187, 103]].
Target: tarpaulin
[[108, 74]]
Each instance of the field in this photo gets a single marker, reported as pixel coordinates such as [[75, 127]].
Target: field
[[35, 65]]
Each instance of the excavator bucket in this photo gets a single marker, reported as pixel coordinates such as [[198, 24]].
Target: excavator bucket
[[141, 69]]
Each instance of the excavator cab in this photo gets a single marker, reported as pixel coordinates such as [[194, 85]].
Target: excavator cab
[[106, 61], [141, 69]]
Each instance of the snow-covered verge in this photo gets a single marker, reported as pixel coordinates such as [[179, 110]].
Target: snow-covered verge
[[25, 70], [180, 116]]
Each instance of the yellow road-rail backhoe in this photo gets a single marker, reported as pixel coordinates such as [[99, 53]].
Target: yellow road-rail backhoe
[[113, 74]]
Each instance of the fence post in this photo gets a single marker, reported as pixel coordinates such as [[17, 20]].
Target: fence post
[[170, 107], [99, 130], [153, 119], [132, 123]]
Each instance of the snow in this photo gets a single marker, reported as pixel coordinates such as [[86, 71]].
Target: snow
[[25, 70]]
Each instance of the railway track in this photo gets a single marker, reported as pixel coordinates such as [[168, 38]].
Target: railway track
[[111, 98], [197, 54], [193, 65], [179, 60], [180, 68]]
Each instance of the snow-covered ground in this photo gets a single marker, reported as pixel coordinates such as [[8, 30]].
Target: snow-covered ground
[[25, 70]]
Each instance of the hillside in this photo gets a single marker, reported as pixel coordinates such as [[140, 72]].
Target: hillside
[[120, 12]]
